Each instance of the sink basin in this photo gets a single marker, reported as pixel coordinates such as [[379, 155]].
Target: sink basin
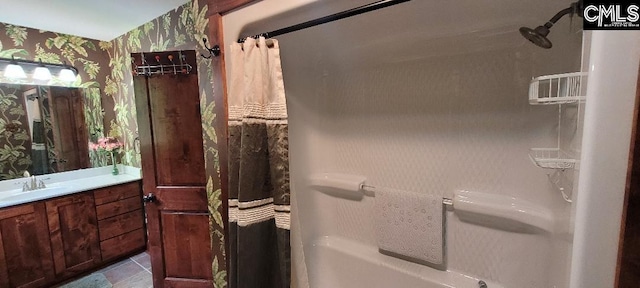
[[18, 195], [63, 183]]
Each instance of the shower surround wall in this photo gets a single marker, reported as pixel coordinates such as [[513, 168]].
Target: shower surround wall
[[436, 125], [430, 110]]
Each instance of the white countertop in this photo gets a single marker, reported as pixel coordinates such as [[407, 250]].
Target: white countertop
[[65, 183]]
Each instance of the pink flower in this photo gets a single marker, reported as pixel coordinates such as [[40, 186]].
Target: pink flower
[[106, 144]]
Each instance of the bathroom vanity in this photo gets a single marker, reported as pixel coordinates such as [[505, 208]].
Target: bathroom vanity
[[94, 222]]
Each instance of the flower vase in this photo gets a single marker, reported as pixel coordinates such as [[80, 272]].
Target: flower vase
[[115, 167]]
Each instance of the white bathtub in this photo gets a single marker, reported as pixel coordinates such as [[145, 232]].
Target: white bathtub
[[342, 263]]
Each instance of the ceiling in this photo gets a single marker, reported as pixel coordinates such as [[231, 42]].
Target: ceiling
[[94, 19]]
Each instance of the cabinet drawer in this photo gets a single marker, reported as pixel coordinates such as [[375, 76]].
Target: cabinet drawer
[[118, 225], [123, 244], [115, 193], [118, 207]]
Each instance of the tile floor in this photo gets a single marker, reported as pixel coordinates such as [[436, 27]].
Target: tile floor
[[134, 272]]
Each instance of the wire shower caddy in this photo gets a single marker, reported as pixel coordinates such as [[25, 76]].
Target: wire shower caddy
[[557, 89]]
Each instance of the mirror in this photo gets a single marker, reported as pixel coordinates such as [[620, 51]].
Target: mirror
[[42, 130]]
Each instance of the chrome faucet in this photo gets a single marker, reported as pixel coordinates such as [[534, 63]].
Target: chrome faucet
[[33, 183]]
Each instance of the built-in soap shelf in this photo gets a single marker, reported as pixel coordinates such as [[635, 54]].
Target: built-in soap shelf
[[491, 210], [338, 184], [502, 212], [558, 89]]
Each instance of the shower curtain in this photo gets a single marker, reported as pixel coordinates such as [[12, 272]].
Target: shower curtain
[[259, 206]]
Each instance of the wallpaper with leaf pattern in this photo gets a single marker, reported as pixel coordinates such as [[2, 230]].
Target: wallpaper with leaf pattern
[[105, 67], [15, 143], [84, 54], [180, 29], [48, 128]]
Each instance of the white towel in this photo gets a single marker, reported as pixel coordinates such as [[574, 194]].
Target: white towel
[[409, 225]]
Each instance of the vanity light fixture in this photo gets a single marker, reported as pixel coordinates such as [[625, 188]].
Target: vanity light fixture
[[42, 73], [13, 70], [18, 69], [66, 75]]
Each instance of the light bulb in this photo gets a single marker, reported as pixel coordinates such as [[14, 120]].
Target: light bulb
[[67, 75], [42, 73], [14, 71]]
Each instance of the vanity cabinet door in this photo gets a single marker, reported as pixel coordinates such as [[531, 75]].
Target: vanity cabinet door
[[74, 234], [25, 254]]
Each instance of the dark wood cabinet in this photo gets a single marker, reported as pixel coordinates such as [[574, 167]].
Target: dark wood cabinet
[[73, 227], [53, 240], [25, 251], [120, 220]]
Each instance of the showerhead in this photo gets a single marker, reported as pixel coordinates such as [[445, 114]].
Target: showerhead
[[537, 36]]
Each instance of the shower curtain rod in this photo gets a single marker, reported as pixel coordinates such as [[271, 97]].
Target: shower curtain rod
[[215, 50], [326, 19]]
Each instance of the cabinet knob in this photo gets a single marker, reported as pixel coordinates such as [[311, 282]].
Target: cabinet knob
[[149, 198]]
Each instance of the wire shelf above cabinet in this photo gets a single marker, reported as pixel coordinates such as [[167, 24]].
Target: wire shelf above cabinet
[[551, 158], [558, 88]]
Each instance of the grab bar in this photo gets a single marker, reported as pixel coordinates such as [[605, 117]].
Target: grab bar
[[447, 202]]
